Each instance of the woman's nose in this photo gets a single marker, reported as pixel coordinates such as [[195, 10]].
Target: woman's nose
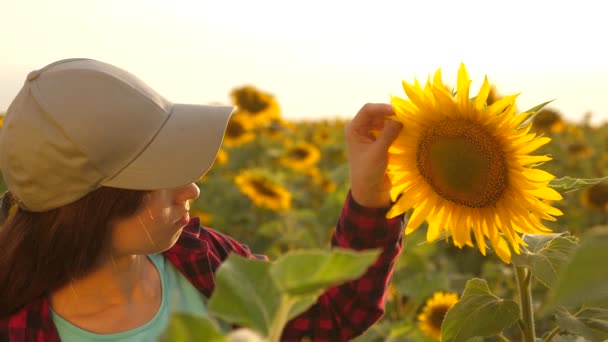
[[187, 192]]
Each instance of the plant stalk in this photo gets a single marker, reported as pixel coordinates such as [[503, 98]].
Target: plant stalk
[[280, 320], [552, 334], [524, 281]]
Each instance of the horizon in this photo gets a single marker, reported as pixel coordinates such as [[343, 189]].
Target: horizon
[[322, 59]]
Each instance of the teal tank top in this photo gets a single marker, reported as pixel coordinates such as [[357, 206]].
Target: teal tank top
[[178, 296]]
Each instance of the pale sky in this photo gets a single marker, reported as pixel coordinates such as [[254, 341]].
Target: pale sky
[[321, 58]]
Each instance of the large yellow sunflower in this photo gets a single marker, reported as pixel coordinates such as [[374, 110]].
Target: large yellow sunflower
[[263, 191], [463, 165], [433, 313]]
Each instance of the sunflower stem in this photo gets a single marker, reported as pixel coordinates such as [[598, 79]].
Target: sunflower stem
[[552, 334], [502, 338], [280, 320], [524, 281]]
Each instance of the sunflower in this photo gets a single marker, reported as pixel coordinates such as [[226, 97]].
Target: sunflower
[[301, 156], [205, 218], [255, 104], [548, 120], [275, 128], [222, 157], [595, 197], [263, 191], [579, 150], [320, 179], [434, 312], [462, 166], [238, 131]]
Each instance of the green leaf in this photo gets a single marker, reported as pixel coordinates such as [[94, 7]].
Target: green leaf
[[568, 184], [533, 111], [245, 293], [478, 313], [244, 335], [545, 255], [300, 304], [308, 272], [591, 323], [583, 280], [184, 328]]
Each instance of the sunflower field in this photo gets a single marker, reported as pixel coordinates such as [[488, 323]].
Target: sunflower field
[[278, 185]]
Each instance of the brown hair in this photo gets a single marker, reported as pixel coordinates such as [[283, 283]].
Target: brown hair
[[42, 251]]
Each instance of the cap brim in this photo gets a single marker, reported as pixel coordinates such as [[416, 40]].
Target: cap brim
[[182, 151]]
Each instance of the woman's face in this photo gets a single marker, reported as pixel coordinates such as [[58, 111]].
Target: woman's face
[[157, 225]]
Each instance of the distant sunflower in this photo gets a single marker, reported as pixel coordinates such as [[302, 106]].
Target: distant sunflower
[[434, 312], [548, 120], [222, 157], [462, 166], [255, 104], [238, 132], [1, 119], [263, 191], [301, 156], [275, 128], [579, 150], [205, 218], [322, 132], [595, 197]]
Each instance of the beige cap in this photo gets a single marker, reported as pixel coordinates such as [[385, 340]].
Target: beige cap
[[79, 124]]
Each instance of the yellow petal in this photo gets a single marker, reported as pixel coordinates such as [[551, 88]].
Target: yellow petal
[[419, 215], [502, 104], [479, 236], [501, 248], [528, 160], [537, 175], [414, 93], [462, 92], [533, 145], [482, 97], [546, 193]]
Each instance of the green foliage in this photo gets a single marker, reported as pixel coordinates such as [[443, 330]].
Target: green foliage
[[532, 112], [264, 296], [545, 255], [567, 184], [478, 313], [584, 279], [185, 327], [303, 273], [591, 323], [245, 293]]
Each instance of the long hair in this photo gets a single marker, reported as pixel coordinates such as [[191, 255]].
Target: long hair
[[41, 252]]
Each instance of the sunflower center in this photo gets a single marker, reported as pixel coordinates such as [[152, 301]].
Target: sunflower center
[[261, 187], [463, 163], [251, 101], [438, 315], [298, 153], [598, 195], [234, 129]]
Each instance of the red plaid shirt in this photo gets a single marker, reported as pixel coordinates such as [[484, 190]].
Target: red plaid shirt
[[340, 314]]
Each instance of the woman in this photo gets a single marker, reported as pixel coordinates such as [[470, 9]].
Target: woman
[[101, 170]]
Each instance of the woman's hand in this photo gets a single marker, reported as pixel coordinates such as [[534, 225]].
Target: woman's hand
[[368, 155]]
